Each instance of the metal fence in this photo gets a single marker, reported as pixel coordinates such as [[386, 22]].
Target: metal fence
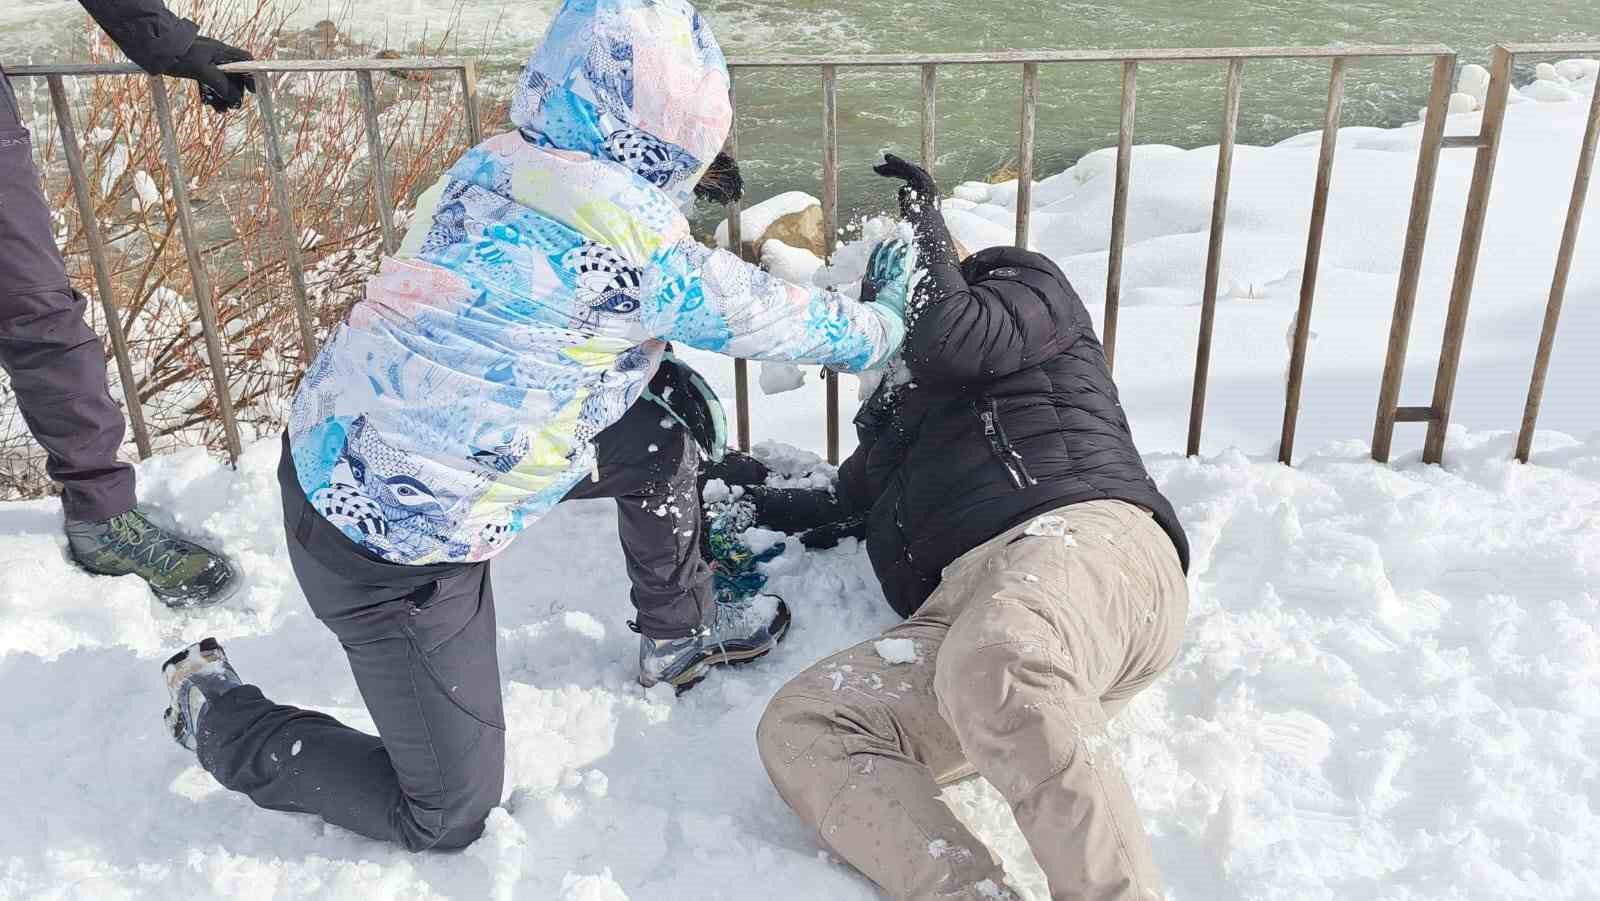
[[265, 73], [1433, 142]]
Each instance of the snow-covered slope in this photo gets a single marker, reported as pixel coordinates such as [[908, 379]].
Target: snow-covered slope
[[1389, 690]]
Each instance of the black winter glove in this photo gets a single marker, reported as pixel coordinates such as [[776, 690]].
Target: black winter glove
[[219, 90], [830, 534], [919, 193]]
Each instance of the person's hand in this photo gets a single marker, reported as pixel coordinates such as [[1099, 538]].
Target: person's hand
[[219, 90], [919, 192], [888, 279]]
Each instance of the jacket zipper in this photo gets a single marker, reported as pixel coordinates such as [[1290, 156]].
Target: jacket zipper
[[1000, 443]]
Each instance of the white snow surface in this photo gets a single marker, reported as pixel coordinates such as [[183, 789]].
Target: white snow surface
[[1390, 688], [1390, 685]]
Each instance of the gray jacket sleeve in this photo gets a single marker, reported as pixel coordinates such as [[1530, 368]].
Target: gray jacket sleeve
[[150, 34]]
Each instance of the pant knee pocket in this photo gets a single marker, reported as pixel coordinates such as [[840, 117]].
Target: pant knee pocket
[[454, 642]]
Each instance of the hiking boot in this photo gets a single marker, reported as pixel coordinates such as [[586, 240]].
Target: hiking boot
[[742, 631], [179, 572], [196, 676]]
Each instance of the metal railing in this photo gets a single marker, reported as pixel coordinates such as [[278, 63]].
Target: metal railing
[[1234, 59], [265, 72], [1389, 413], [1487, 145]]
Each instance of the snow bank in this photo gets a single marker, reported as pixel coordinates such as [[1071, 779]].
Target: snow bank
[[1389, 688]]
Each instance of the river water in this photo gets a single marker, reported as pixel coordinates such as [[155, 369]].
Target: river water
[[979, 107]]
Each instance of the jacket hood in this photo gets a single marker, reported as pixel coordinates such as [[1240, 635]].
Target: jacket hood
[[639, 82]]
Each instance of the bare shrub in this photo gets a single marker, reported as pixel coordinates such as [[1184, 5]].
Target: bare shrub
[[324, 142]]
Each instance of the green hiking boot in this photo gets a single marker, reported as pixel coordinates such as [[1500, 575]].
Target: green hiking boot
[[179, 572]]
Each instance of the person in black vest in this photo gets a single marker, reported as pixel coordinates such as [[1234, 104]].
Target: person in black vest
[[1009, 517], [55, 361]]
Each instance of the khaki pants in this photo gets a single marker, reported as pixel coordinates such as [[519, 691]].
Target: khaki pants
[[1031, 643]]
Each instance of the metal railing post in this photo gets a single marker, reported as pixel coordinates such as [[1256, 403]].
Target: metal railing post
[[203, 297], [1219, 218], [1405, 301], [97, 257], [277, 175], [1030, 124], [1455, 327], [830, 227], [1558, 285], [1313, 260], [741, 368], [469, 100], [375, 159], [1119, 211], [930, 125]]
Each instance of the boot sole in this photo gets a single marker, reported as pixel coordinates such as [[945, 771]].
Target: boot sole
[[698, 674], [205, 644]]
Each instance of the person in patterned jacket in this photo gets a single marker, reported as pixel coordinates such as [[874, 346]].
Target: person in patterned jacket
[[508, 357]]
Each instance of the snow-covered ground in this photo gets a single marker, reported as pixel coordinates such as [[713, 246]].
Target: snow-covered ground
[[1390, 689]]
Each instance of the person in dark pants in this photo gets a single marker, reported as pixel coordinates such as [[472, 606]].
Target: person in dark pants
[[513, 354], [54, 359]]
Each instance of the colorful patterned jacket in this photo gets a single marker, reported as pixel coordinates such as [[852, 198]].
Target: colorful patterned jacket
[[535, 292]]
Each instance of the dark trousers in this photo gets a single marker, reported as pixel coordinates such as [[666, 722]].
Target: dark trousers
[[56, 363], [421, 643]]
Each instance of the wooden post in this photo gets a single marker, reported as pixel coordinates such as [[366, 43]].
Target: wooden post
[[1405, 301], [380, 174], [203, 298], [469, 99], [1308, 278], [1119, 211], [1455, 325], [741, 368], [830, 226], [1030, 124], [1558, 285], [102, 269], [1219, 218], [277, 174], [930, 124]]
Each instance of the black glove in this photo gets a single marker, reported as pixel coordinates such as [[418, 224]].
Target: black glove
[[219, 90], [920, 192], [830, 534]]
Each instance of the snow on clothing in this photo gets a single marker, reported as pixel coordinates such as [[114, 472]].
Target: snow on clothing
[[1033, 641], [1012, 401], [535, 294]]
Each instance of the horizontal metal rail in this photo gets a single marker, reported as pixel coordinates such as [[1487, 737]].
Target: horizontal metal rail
[[1018, 57]]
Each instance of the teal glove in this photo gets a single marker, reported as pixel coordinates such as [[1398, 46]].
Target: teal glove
[[888, 278]]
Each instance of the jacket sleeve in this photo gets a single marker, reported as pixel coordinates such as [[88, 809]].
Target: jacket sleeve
[[852, 489], [959, 333], [150, 34], [712, 300]]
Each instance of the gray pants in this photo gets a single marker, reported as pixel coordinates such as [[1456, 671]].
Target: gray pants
[[56, 363], [421, 643], [1030, 644]]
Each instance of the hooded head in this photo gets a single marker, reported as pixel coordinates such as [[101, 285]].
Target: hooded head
[[639, 82]]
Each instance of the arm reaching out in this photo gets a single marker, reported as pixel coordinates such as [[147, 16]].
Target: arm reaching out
[[712, 300], [161, 43], [956, 333]]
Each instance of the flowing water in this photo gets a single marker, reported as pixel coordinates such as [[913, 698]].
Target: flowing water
[[780, 111]]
